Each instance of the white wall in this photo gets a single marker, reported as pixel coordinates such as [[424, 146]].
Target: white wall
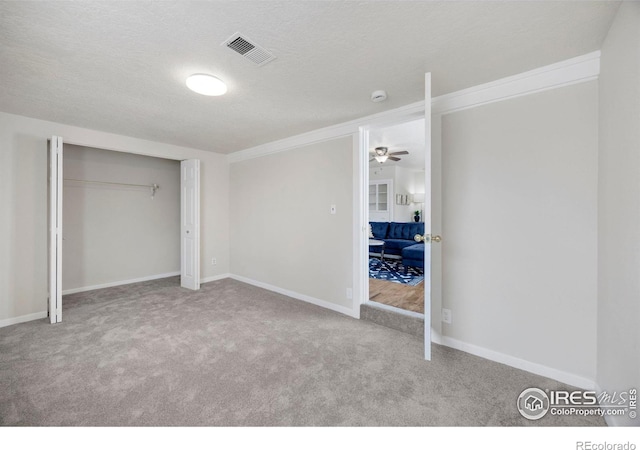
[[556, 120], [282, 232], [619, 207], [519, 180], [408, 181], [118, 233], [23, 203]]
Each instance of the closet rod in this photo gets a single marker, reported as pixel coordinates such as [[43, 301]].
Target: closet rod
[[154, 187]]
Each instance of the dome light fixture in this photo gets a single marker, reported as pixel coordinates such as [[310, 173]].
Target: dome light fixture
[[205, 84]]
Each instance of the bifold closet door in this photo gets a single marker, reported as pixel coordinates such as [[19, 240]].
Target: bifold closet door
[[55, 229], [190, 224]]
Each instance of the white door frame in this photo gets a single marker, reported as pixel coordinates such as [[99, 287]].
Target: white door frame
[[56, 186], [428, 227]]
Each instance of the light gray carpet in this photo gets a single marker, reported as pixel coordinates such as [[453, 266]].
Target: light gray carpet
[[233, 354]]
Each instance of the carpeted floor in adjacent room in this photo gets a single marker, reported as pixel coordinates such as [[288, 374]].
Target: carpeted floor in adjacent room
[[233, 354]]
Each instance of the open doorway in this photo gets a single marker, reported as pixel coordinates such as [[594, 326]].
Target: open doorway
[[396, 212]]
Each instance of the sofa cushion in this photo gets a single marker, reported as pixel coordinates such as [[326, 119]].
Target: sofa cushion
[[413, 256], [395, 246], [379, 229], [405, 230], [413, 252]]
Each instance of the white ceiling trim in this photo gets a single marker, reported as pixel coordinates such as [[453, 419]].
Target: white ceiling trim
[[564, 73], [571, 71], [325, 134]]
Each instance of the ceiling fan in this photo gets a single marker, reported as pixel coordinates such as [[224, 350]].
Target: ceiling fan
[[381, 154]]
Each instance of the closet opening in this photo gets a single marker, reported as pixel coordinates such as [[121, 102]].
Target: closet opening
[[119, 218]]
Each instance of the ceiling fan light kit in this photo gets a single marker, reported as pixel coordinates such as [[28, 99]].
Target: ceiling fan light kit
[[381, 154]]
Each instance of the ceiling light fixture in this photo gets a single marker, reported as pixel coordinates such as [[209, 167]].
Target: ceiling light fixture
[[381, 154], [206, 84]]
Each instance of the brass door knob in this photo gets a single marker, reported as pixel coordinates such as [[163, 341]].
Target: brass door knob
[[427, 238]]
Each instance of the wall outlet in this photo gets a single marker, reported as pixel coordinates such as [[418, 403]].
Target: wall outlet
[[332, 209], [349, 293], [214, 261], [446, 315]]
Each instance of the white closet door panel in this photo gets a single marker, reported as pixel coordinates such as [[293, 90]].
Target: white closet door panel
[[190, 223]]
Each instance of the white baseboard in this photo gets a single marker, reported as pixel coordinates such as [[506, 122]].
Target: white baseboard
[[305, 298], [613, 421], [21, 319], [518, 363], [119, 283], [137, 280], [214, 278]]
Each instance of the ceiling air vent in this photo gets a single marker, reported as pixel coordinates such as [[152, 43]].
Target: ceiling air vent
[[250, 50]]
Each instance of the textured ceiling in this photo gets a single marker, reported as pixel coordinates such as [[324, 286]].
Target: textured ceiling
[[120, 66]]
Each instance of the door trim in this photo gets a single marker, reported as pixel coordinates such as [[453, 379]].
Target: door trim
[[428, 224], [360, 199]]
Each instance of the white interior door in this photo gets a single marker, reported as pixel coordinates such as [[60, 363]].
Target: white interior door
[[55, 229], [190, 224], [427, 218]]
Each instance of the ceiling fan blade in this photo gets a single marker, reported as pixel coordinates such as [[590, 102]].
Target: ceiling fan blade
[[372, 159], [393, 158], [403, 152]]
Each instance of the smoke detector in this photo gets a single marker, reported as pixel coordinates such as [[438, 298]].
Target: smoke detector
[[378, 96]]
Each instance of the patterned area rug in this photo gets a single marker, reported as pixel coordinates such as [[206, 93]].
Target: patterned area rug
[[392, 270]]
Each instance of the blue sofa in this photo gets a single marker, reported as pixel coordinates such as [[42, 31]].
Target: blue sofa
[[397, 235], [413, 256]]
